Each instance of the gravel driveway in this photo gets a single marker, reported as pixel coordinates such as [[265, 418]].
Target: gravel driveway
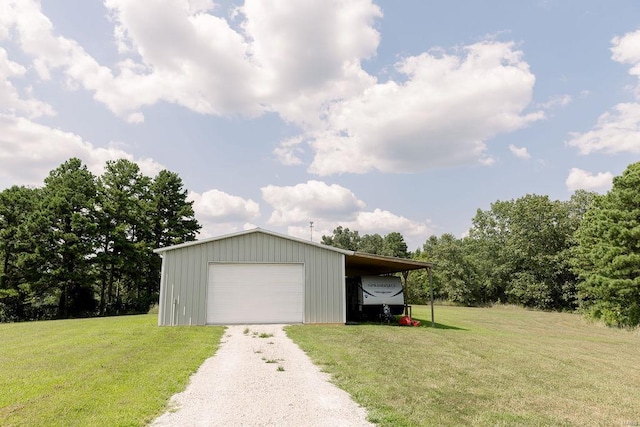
[[261, 381]]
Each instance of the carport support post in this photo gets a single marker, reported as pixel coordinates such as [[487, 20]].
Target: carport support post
[[433, 322], [405, 274]]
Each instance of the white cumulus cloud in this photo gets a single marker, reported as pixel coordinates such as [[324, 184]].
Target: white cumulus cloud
[[520, 152], [378, 221], [184, 52], [50, 52], [188, 56], [383, 222], [437, 110], [329, 206], [223, 207], [617, 130], [441, 115], [29, 151], [309, 52], [289, 151], [309, 201], [11, 100], [579, 179], [556, 101], [626, 50], [221, 213]]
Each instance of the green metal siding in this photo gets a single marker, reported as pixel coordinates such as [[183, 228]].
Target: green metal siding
[[184, 275]]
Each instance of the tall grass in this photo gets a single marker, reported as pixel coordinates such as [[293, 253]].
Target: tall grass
[[484, 366], [117, 371]]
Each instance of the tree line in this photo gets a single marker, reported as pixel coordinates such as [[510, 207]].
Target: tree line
[[582, 254], [392, 244], [82, 245]]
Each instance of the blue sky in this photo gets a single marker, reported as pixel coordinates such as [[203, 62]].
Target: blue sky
[[378, 116]]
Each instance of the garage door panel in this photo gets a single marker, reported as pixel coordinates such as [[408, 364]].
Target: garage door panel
[[255, 293]]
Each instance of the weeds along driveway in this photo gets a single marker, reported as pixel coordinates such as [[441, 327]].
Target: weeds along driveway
[[259, 377]]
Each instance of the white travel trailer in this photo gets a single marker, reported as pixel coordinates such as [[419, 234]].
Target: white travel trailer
[[367, 294]]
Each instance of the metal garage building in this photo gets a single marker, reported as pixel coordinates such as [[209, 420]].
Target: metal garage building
[[258, 276]]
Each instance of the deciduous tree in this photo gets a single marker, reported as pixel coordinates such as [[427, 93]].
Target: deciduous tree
[[343, 238], [521, 250], [395, 246], [454, 276], [371, 244]]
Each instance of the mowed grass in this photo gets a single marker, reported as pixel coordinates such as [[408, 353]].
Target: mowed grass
[[498, 366], [116, 371]]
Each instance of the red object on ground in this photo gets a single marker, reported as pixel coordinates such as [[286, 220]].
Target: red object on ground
[[407, 321]]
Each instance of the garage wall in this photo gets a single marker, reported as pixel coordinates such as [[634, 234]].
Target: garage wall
[[184, 275]]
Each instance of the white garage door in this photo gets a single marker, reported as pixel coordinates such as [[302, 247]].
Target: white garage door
[[255, 293]]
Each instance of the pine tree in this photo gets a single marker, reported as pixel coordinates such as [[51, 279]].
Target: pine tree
[[172, 222], [124, 204], [63, 235], [607, 257], [16, 204]]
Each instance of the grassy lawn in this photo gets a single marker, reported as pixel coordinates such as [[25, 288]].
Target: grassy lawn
[[484, 366], [116, 371]]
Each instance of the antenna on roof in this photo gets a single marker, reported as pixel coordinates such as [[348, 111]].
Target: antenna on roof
[[311, 228]]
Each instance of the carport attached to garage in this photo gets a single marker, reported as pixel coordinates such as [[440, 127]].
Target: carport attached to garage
[[258, 276]]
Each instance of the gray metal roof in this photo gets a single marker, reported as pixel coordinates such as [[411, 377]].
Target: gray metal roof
[[356, 263], [245, 232], [361, 264]]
